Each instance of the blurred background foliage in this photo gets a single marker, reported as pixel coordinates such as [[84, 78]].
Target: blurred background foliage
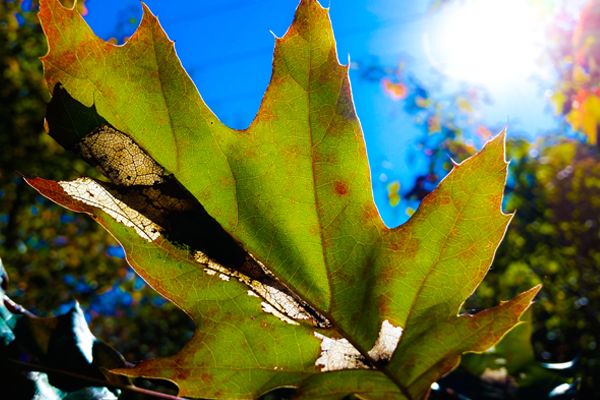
[[554, 190], [53, 256]]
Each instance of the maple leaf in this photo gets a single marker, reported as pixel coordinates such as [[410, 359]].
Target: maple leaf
[[268, 237]]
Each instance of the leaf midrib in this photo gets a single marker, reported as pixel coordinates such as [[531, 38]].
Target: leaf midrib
[[334, 324]]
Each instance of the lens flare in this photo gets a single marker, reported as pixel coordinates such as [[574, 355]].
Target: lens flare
[[487, 42]]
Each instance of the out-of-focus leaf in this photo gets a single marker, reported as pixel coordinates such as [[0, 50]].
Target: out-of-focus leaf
[[397, 91], [585, 116], [51, 254], [554, 239], [514, 355], [35, 354], [394, 193]]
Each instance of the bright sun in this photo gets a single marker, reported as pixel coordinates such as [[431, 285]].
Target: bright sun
[[487, 42]]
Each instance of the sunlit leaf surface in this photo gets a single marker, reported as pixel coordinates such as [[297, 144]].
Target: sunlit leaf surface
[[268, 237]]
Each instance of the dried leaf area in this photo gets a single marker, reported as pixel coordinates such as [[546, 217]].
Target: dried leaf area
[[143, 196], [91, 193], [120, 158], [387, 341], [340, 354], [278, 300]]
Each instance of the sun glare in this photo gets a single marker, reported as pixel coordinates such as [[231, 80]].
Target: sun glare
[[487, 42]]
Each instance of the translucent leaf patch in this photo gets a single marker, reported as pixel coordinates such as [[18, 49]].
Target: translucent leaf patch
[[120, 158], [89, 192]]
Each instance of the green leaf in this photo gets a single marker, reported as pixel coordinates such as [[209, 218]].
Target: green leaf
[[514, 356], [244, 229]]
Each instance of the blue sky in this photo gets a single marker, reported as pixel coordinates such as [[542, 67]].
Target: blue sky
[[226, 46]]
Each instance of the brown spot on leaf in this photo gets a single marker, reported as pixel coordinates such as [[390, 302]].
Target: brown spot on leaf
[[67, 59], [250, 152], [206, 378], [181, 374], [453, 232], [361, 150], [408, 247], [341, 188], [314, 230], [391, 273], [345, 107], [324, 158], [429, 200], [444, 200], [383, 304], [496, 199], [470, 252], [293, 152], [370, 213], [394, 245]]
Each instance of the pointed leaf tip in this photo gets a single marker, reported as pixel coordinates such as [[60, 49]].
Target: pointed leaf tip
[[530, 294], [54, 192], [497, 144], [149, 16], [310, 14]]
